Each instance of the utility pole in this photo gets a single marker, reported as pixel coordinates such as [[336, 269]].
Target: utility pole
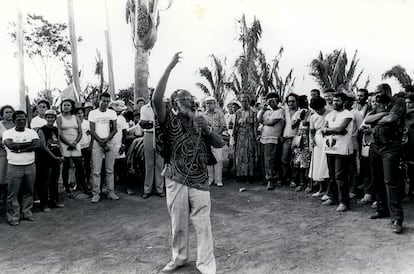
[[73, 47], [20, 55], [109, 54]]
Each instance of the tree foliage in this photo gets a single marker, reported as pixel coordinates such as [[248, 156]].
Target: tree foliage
[[399, 73], [216, 84], [333, 71], [247, 64], [47, 44]]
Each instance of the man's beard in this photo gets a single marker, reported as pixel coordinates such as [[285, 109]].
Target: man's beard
[[338, 107], [186, 110]]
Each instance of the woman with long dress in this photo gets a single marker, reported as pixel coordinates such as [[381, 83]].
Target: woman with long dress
[[245, 136], [318, 170]]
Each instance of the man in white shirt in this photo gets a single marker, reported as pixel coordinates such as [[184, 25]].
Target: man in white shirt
[[339, 148], [217, 123], [153, 160], [20, 143], [119, 139], [103, 128]]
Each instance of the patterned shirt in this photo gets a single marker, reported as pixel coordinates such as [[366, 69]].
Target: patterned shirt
[[185, 149], [216, 120]]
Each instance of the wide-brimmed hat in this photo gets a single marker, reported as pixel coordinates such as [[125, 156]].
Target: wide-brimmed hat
[[50, 112], [118, 105]]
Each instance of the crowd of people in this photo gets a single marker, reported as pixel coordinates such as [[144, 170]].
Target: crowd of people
[[336, 146]]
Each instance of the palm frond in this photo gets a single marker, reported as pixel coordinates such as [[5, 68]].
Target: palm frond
[[338, 73], [203, 88], [206, 73], [320, 72]]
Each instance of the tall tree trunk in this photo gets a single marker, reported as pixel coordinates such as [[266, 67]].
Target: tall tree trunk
[[20, 38], [141, 74], [74, 52]]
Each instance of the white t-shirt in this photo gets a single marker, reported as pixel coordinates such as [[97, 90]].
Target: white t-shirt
[[147, 114], [288, 132], [86, 135], [121, 124], [37, 122], [102, 121], [339, 144], [26, 136]]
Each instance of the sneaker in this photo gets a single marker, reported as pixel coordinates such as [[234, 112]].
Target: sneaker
[[95, 199], [328, 202], [292, 185], [317, 194], [170, 267], [219, 184], [270, 185], [341, 208], [130, 191], [397, 227], [46, 209], [13, 223], [279, 183], [162, 194], [352, 195], [325, 197], [29, 218], [374, 205], [57, 205], [145, 196], [308, 189], [113, 196], [366, 199]]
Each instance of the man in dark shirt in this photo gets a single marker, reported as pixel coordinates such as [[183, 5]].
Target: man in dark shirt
[[387, 121], [186, 138]]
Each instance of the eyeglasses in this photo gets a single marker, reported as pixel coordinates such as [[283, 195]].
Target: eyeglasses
[[186, 98]]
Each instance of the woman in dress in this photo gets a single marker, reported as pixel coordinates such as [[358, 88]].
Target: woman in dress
[[70, 134], [245, 136], [6, 113], [318, 170]]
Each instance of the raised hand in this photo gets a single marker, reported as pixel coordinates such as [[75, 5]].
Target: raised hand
[[175, 60]]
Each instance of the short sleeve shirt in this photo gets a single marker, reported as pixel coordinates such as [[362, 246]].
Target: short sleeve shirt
[[187, 153], [215, 120], [26, 136], [86, 135], [272, 134], [102, 121], [339, 144], [37, 122]]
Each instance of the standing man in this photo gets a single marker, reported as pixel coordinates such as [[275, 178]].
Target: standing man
[[338, 148], [187, 138], [103, 128], [385, 152], [288, 133], [20, 143], [273, 121], [328, 96], [153, 160], [217, 123], [40, 120]]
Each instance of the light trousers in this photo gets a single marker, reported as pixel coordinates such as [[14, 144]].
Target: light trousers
[[97, 155], [215, 172], [186, 203], [153, 166], [21, 180]]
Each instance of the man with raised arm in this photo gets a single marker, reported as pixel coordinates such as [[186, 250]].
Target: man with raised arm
[[186, 140]]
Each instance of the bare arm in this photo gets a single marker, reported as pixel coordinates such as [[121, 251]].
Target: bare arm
[[21, 147], [373, 117], [337, 130], [114, 130], [94, 134], [43, 146], [157, 97]]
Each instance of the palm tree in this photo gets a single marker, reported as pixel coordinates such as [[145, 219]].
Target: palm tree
[[400, 74], [247, 62], [216, 78], [333, 71], [271, 79], [143, 16]]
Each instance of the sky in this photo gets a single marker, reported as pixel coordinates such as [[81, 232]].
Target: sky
[[379, 29]]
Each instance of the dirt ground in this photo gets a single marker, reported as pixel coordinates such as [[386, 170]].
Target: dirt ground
[[255, 231]]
